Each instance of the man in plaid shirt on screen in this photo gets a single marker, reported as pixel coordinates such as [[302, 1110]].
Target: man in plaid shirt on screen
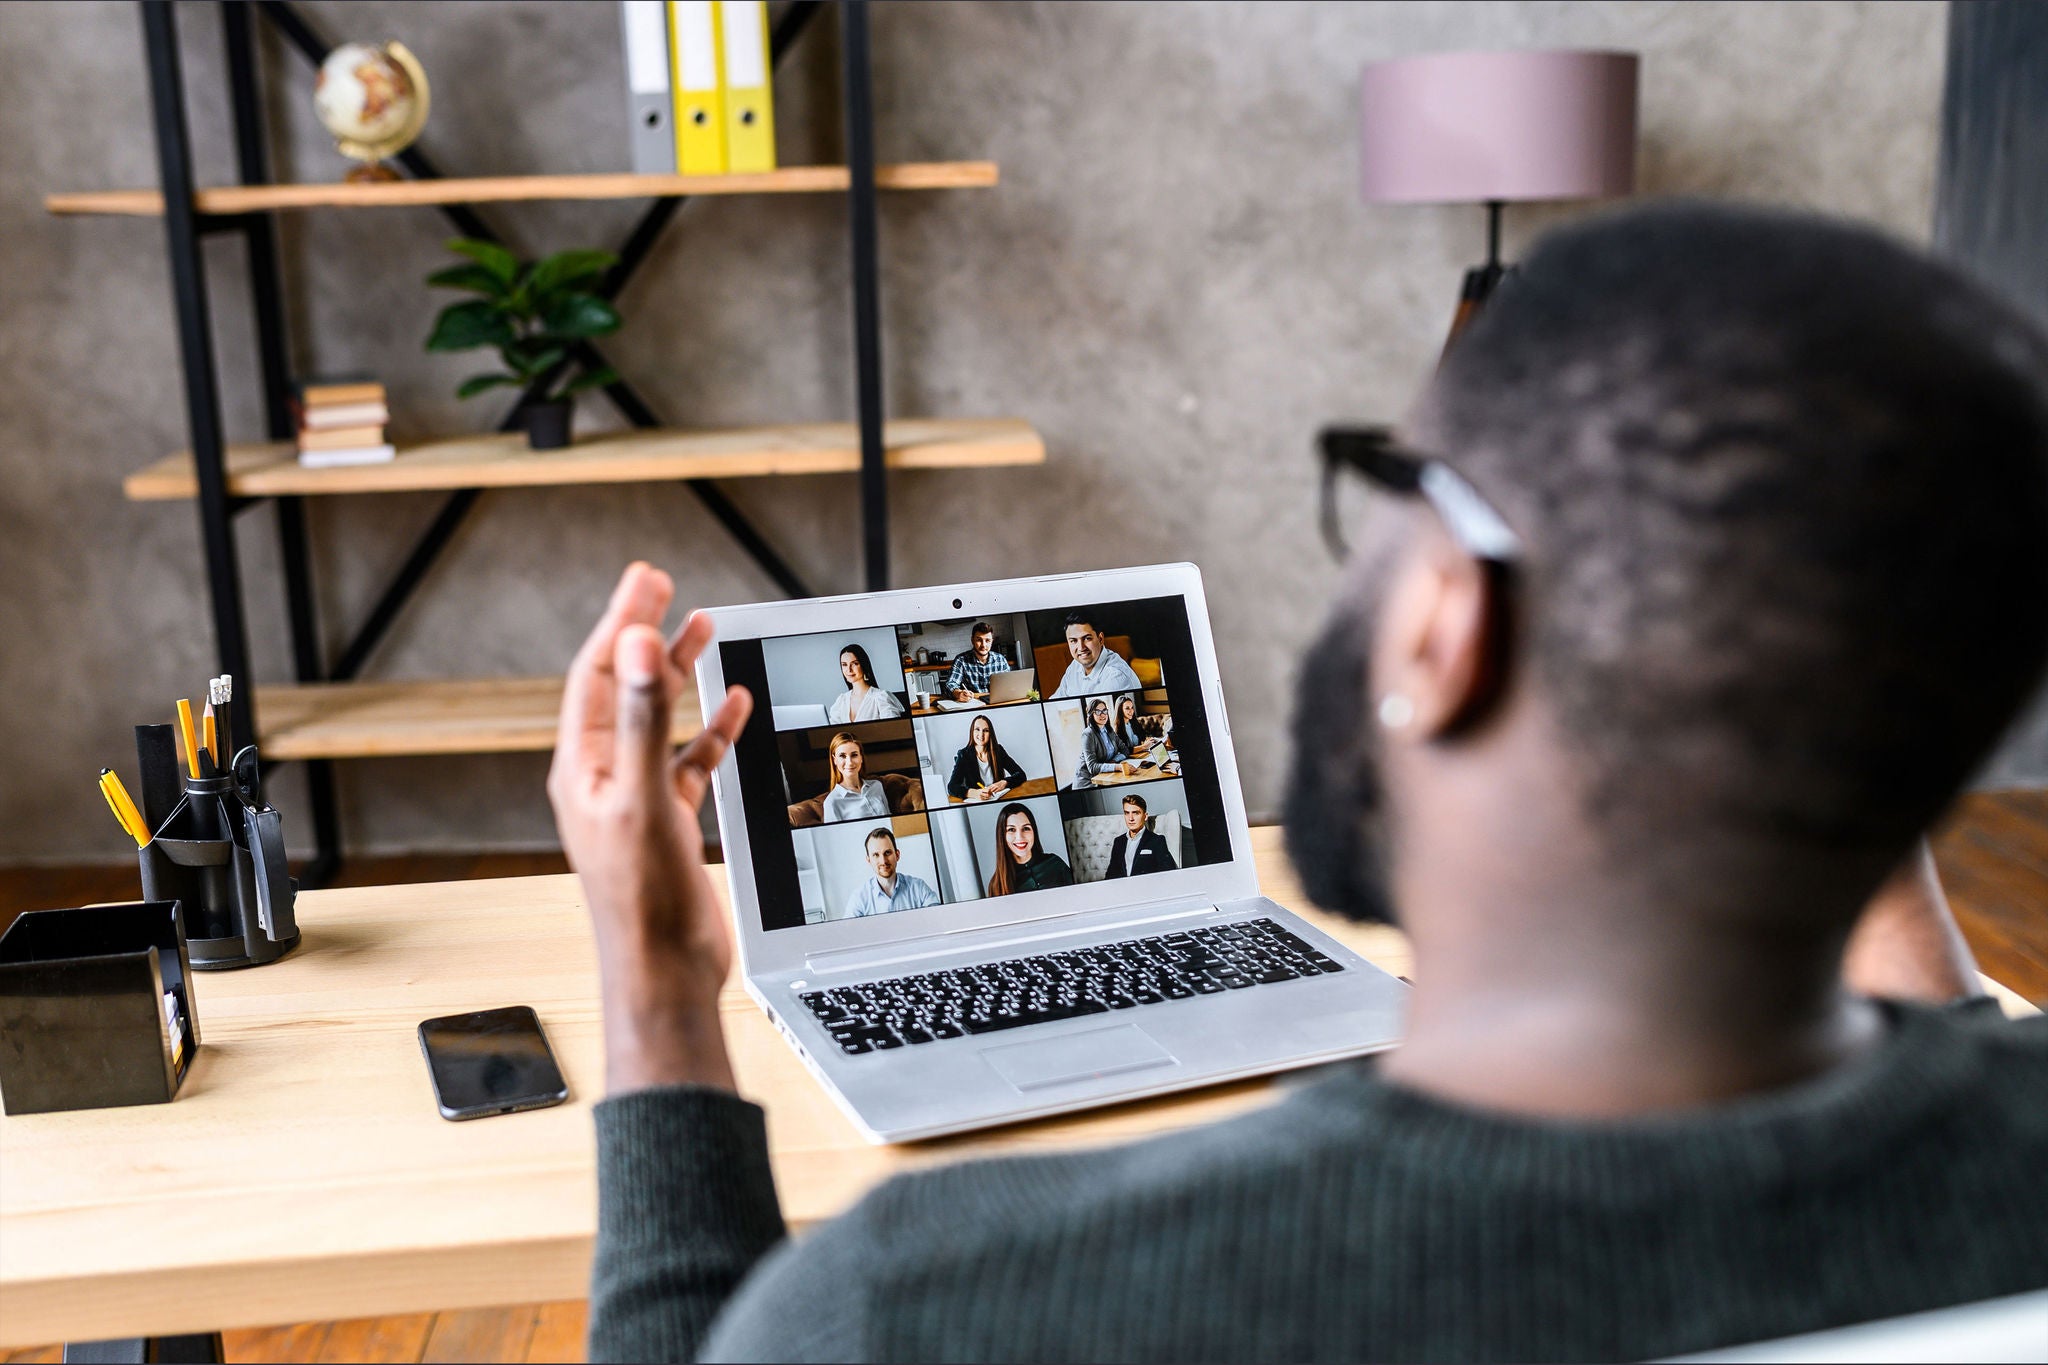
[[969, 679]]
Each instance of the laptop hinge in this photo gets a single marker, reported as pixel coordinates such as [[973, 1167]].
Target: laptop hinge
[[997, 936]]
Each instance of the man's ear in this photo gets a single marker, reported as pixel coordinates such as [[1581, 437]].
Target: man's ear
[[1443, 641]]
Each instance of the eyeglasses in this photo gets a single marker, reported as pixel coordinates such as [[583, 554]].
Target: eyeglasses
[[1373, 452]]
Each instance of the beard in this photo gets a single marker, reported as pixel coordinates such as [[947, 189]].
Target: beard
[[1334, 815]]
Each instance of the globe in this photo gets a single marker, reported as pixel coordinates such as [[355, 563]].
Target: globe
[[374, 100]]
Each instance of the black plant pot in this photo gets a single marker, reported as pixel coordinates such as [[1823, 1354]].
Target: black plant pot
[[547, 424]]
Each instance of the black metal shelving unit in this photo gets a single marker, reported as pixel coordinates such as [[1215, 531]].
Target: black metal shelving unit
[[185, 227]]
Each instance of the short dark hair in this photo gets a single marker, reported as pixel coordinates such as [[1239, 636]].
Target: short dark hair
[[1133, 799], [878, 832], [1784, 488], [1078, 618], [979, 628]]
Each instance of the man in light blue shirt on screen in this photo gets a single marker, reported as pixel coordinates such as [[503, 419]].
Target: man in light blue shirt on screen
[[1096, 667], [888, 890]]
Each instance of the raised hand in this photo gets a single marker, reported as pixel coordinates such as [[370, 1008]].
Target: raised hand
[[626, 807]]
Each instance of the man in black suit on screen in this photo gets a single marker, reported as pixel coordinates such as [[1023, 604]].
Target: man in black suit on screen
[[1141, 850]]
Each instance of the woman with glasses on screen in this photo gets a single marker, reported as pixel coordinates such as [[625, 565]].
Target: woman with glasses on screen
[[854, 795], [1101, 750], [862, 699], [1021, 863], [982, 770]]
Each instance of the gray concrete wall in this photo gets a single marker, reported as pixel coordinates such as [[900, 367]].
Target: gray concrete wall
[[1176, 282]]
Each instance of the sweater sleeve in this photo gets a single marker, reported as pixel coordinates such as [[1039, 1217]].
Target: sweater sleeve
[[685, 1208]]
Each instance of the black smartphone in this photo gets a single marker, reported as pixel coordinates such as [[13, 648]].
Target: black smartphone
[[491, 1062]]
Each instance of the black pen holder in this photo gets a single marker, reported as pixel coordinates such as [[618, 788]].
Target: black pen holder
[[95, 1008], [211, 857]]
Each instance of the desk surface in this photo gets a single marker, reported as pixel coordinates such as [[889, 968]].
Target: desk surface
[[923, 706], [1151, 774], [1037, 786], [303, 1173]]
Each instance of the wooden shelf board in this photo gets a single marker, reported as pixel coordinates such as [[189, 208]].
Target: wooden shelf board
[[502, 460], [920, 175], [439, 716]]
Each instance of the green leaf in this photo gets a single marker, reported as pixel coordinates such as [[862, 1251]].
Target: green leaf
[[475, 323], [546, 359], [530, 357], [478, 383], [472, 277], [579, 315], [567, 270], [591, 379], [489, 255]]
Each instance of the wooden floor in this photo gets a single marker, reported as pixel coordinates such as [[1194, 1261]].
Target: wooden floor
[[1994, 863]]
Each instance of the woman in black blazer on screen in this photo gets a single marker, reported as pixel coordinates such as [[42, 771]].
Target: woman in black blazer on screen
[[981, 770]]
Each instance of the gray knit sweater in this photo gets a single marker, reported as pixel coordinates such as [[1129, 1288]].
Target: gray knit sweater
[[1357, 1220]]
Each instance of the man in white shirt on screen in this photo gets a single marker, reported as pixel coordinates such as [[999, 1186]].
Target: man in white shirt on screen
[[888, 890], [1096, 667]]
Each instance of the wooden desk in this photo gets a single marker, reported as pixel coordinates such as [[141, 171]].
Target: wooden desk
[[304, 1175], [1118, 779], [1037, 786], [920, 707]]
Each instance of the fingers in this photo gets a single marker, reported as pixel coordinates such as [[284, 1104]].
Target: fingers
[[692, 769], [731, 717], [582, 738], [690, 641], [640, 740]]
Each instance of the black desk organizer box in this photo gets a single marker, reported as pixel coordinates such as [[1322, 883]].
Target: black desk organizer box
[[82, 1020], [83, 1023], [220, 855]]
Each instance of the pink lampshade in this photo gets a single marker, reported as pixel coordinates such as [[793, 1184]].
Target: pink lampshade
[[1465, 127]]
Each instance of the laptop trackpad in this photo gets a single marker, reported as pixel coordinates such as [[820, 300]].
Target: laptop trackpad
[[1077, 1056]]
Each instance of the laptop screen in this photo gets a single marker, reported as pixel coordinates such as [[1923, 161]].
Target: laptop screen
[[930, 764]]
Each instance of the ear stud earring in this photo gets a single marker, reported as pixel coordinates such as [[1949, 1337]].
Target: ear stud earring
[[1396, 711]]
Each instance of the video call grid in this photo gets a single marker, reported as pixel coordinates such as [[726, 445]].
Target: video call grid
[[1057, 795]]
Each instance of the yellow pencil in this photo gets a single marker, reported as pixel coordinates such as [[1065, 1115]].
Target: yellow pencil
[[185, 733], [131, 818], [128, 807], [212, 744], [124, 809]]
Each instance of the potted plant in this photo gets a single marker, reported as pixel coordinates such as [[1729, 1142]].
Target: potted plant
[[531, 314]]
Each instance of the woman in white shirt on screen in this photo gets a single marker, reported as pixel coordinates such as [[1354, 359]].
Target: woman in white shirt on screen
[[854, 795], [861, 700]]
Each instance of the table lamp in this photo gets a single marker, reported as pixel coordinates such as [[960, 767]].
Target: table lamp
[[1489, 127]]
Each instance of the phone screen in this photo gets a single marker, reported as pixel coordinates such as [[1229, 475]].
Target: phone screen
[[491, 1062]]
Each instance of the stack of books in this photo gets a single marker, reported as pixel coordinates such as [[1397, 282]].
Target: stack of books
[[341, 421]]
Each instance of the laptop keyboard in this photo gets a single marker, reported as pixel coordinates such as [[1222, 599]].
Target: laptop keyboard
[[877, 1015]]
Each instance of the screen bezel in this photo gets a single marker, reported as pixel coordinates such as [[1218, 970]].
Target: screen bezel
[[763, 951]]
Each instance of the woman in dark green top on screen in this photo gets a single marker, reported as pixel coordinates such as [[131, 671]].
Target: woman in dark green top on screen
[[1021, 865]]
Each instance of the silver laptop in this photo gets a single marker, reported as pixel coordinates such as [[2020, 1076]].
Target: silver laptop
[[948, 945], [1013, 685]]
